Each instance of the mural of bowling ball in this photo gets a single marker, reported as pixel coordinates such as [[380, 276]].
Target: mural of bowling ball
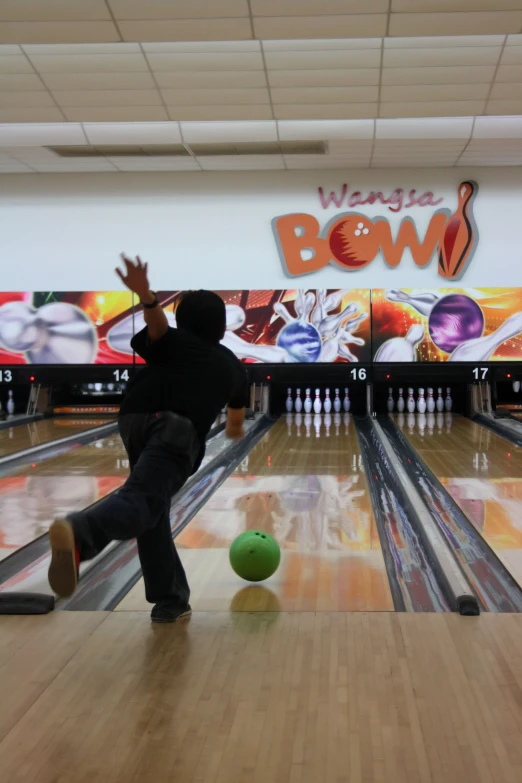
[[453, 320], [301, 341], [354, 241]]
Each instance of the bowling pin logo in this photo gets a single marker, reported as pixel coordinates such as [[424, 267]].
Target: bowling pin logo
[[459, 236]]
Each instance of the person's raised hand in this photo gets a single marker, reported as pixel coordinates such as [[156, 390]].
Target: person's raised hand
[[135, 278]]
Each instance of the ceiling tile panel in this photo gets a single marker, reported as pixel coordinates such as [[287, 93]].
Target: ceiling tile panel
[[57, 32], [210, 79], [432, 109], [204, 61], [326, 111], [116, 114], [186, 30], [470, 23], [216, 96], [52, 10], [325, 78], [350, 26], [218, 113], [315, 95], [464, 74]]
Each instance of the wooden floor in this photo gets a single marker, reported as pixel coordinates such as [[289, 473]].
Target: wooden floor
[[483, 473], [35, 433], [261, 698], [311, 494], [33, 494]]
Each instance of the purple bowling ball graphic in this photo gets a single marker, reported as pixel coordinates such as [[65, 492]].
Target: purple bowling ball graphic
[[301, 341], [455, 319]]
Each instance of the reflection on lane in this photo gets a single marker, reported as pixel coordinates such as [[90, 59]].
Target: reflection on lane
[[35, 433], [304, 483], [483, 474], [34, 494]]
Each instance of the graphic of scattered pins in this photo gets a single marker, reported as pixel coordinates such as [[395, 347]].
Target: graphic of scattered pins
[[400, 402], [430, 403], [308, 402], [440, 400], [317, 402], [289, 402], [327, 402], [337, 402], [390, 403], [346, 402], [298, 401], [448, 403]]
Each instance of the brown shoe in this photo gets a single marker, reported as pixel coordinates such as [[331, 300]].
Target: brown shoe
[[65, 560]]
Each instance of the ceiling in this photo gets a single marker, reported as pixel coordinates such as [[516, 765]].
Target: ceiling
[[438, 75]]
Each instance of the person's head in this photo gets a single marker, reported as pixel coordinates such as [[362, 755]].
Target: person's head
[[203, 313]]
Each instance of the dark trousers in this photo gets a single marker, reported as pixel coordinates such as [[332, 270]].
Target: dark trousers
[[162, 449]]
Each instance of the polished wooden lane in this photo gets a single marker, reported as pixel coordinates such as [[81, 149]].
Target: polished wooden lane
[[262, 698], [36, 433], [32, 495], [483, 474], [311, 494]]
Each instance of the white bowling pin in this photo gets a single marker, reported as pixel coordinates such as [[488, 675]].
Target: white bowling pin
[[337, 402], [298, 401], [317, 424], [448, 402], [411, 401], [317, 402], [440, 401], [411, 422], [308, 423], [423, 303], [421, 423], [289, 402], [516, 386], [430, 404], [401, 349], [308, 402], [390, 403], [400, 402], [298, 423], [327, 402], [10, 404], [346, 402], [421, 403], [327, 424]]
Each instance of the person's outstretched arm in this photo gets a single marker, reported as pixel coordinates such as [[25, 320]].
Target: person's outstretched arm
[[137, 281]]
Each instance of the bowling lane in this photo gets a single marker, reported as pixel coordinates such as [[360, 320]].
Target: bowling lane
[[32, 495], [36, 433], [481, 471], [310, 492]]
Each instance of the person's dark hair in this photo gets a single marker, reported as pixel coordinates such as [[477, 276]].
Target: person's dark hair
[[203, 313]]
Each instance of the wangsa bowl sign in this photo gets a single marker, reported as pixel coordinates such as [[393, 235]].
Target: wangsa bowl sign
[[351, 240]]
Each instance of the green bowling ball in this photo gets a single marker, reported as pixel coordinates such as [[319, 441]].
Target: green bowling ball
[[254, 555]]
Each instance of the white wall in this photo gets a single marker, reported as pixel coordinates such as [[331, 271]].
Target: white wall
[[213, 230]]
